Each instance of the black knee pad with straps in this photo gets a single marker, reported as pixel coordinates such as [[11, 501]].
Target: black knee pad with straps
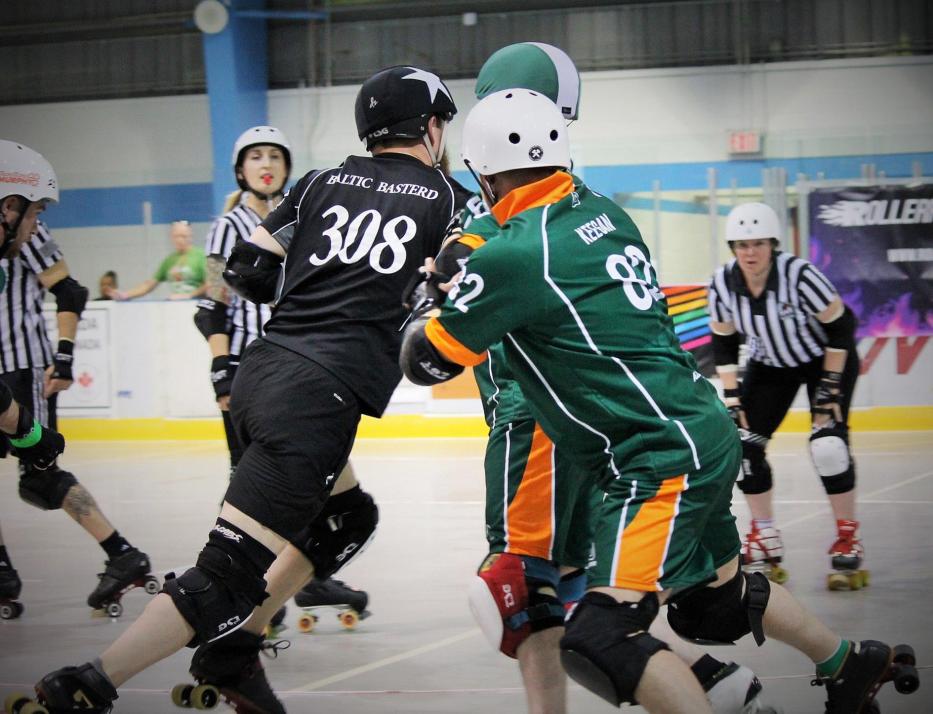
[[45, 489], [340, 532], [216, 596], [722, 615], [606, 646], [756, 471]]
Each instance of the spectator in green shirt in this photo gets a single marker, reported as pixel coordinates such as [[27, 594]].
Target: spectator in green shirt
[[184, 270]]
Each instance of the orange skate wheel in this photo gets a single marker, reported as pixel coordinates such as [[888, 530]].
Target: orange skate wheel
[[204, 696], [349, 619], [306, 623]]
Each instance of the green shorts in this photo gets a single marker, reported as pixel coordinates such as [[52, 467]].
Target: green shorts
[[537, 503], [667, 535]]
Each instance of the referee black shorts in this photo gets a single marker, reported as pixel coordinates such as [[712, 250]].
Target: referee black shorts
[[297, 423]]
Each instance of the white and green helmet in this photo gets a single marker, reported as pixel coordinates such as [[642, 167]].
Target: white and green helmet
[[535, 66]]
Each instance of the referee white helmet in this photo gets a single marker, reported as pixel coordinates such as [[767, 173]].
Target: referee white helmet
[[24, 172], [753, 221], [257, 135], [515, 129]]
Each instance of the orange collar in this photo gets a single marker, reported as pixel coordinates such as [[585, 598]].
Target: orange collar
[[540, 193]]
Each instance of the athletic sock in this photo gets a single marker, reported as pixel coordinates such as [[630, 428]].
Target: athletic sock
[[830, 666], [761, 523], [705, 670], [115, 545], [5, 563]]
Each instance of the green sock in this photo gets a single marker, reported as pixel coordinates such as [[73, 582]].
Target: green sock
[[830, 666]]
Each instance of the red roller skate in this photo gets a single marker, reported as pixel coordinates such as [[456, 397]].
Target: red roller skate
[[846, 556], [763, 551]]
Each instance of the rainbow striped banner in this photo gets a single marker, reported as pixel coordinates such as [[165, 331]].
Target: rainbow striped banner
[[688, 307]]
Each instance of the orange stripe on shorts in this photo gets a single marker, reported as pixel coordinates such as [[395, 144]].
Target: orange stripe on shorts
[[641, 550], [530, 513]]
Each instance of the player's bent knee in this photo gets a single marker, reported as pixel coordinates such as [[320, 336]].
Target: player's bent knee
[[607, 646], [340, 532], [829, 451], [723, 614], [756, 471], [512, 597], [45, 490]]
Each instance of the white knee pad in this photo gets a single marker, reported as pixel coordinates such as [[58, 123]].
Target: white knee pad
[[829, 452]]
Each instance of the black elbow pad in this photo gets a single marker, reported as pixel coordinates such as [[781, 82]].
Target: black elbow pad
[[253, 272], [419, 359], [70, 295], [725, 349], [840, 333]]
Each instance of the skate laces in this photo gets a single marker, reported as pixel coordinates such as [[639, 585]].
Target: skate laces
[[271, 649]]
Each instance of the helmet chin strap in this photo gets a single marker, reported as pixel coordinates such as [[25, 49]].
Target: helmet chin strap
[[9, 232], [489, 196], [436, 157]]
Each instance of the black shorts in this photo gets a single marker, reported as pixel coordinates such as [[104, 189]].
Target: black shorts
[[297, 423], [27, 386]]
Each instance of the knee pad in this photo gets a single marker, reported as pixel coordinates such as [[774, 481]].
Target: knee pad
[[829, 450], [513, 596], [217, 596], [340, 532], [722, 615], [756, 471], [607, 646], [45, 490]]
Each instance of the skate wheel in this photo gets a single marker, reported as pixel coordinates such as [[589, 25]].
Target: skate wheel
[[10, 611], [14, 703], [905, 678], [904, 654], [778, 575], [32, 708], [114, 610], [204, 696], [349, 619], [181, 695], [306, 623], [152, 586], [854, 580]]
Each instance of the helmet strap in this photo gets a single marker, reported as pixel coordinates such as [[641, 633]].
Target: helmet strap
[[436, 157]]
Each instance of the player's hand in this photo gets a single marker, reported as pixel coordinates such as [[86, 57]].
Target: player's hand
[[825, 409], [425, 291], [224, 403], [53, 385], [222, 372], [733, 401]]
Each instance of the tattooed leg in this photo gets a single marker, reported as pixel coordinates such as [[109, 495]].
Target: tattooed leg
[[80, 505]]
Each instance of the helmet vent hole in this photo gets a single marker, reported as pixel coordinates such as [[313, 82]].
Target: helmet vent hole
[[514, 138], [508, 96], [554, 134]]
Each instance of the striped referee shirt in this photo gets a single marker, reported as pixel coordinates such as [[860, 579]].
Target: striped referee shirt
[[780, 325], [24, 343], [247, 318]]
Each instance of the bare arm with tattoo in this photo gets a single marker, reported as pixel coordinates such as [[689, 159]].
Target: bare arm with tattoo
[[217, 290]]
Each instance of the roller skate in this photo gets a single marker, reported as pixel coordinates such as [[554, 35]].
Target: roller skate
[[10, 586], [763, 551], [276, 625], [846, 558], [122, 574], [736, 690], [350, 604], [230, 670], [867, 666], [68, 689]]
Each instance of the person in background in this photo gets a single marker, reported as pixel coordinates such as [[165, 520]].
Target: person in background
[[184, 270], [108, 284]]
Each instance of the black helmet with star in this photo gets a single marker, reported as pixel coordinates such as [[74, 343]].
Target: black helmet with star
[[397, 102]]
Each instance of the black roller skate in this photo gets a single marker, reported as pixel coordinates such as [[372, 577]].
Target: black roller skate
[[230, 669], [867, 666], [350, 604], [846, 555], [122, 574], [68, 689], [10, 587]]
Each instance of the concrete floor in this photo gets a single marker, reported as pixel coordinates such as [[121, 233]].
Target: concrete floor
[[420, 651]]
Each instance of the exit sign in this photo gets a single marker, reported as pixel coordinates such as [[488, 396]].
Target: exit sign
[[743, 143]]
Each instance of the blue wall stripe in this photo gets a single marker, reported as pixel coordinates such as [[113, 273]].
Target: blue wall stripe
[[90, 207]]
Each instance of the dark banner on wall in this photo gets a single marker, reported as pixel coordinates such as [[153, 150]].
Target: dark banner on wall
[[876, 246]]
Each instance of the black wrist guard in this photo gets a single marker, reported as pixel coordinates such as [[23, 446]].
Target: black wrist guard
[[222, 375], [211, 318], [419, 359], [828, 393], [62, 361], [253, 272], [422, 293]]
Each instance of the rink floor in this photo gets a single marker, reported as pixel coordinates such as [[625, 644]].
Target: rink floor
[[420, 651]]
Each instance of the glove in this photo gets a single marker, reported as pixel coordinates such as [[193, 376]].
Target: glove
[[423, 293], [222, 372], [827, 396], [34, 444], [62, 361]]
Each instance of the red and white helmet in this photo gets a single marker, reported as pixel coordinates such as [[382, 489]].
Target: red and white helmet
[[25, 172]]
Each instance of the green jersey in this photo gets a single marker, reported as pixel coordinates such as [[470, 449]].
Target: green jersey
[[567, 285]]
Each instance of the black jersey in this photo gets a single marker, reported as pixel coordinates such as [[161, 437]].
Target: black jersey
[[354, 236]]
